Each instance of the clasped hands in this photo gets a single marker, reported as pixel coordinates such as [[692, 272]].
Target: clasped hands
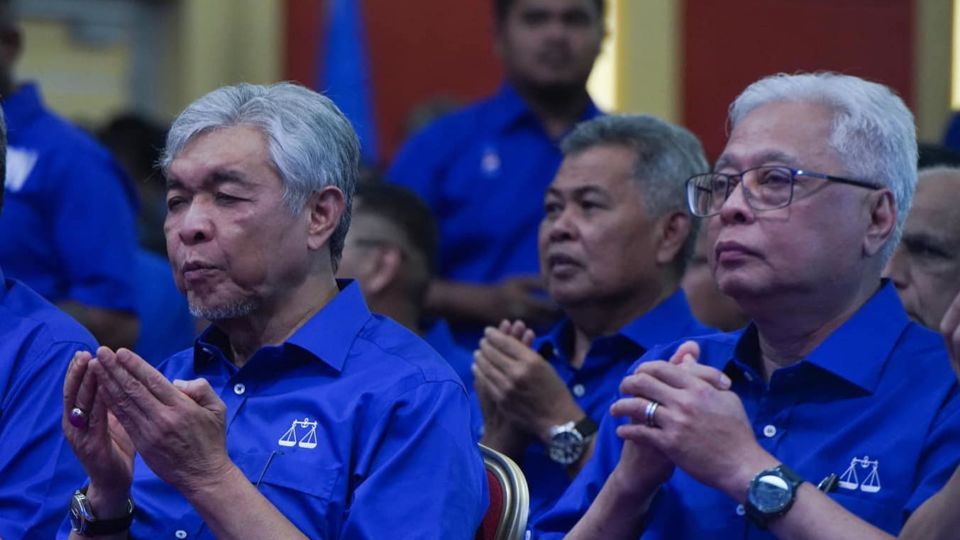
[[521, 394], [697, 424], [116, 405]]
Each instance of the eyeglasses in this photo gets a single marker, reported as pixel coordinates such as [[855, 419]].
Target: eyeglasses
[[764, 188]]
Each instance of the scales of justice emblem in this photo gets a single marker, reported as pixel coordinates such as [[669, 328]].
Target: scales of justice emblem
[[850, 480], [292, 436]]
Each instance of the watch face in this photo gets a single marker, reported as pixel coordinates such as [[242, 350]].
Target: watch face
[[770, 494], [566, 447]]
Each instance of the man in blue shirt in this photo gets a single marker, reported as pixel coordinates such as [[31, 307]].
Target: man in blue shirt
[[831, 381], [298, 412], [37, 341], [483, 170], [614, 243], [69, 227], [391, 250]]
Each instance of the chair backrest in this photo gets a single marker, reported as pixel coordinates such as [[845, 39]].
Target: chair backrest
[[506, 517]]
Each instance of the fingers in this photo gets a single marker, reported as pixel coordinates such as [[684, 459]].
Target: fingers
[[148, 376], [199, 390], [72, 381], [688, 351], [518, 330], [648, 386], [507, 345], [124, 395], [489, 367]]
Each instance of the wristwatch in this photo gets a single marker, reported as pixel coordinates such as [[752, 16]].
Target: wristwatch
[[771, 494], [84, 523], [568, 441]]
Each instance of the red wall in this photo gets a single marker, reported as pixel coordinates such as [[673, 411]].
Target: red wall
[[418, 50], [729, 44], [425, 48]]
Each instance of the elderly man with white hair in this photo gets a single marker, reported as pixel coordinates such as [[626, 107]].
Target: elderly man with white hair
[[831, 415], [298, 413]]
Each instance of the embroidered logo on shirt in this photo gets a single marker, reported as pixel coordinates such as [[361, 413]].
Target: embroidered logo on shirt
[[850, 480], [20, 164], [293, 437]]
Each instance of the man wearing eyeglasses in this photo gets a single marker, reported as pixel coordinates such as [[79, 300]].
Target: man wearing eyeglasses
[[831, 415]]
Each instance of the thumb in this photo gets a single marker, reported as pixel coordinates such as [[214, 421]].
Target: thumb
[[199, 390], [687, 352]]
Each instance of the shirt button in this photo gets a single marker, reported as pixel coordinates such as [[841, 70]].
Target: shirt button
[[579, 390], [239, 389], [769, 430], [181, 534], [740, 510]]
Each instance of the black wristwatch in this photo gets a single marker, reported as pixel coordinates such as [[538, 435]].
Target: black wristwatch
[[771, 494], [84, 523], [568, 441]]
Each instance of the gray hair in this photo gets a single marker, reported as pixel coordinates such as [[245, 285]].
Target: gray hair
[[311, 143], [873, 131], [666, 155], [938, 170]]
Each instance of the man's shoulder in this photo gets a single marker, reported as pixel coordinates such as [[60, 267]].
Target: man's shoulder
[[27, 319], [399, 354], [452, 130]]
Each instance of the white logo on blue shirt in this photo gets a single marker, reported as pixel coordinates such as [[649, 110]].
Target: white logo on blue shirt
[[20, 164], [292, 437], [850, 480]]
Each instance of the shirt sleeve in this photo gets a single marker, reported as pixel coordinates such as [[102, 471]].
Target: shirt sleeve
[[940, 454], [420, 471], [574, 502], [38, 470], [95, 233]]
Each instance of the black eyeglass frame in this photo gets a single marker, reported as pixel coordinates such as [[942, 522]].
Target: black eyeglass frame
[[737, 178]]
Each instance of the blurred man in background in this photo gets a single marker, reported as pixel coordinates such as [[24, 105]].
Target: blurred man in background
[[69, 226], [926, 266], [484, 169]]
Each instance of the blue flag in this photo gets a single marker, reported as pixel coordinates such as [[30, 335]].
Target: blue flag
[[345, 74]]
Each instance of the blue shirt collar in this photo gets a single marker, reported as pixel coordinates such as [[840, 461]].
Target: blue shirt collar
[[511, 108], [22, 105], [858, 350], [327, 336], [668, 321]]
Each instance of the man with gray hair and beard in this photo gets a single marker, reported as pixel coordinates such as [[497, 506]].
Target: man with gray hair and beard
[[831, 415], [298, 413]]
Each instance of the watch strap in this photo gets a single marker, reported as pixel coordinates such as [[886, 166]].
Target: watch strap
[[586, 427], [103, 527]]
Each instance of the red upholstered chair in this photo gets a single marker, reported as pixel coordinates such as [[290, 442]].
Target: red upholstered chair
[[506, 517]]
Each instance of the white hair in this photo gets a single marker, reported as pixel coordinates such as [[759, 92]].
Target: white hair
[[311, 143], [873, 132]]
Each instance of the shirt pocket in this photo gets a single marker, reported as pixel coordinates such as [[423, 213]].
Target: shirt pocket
[[301, 486], [878, 512]]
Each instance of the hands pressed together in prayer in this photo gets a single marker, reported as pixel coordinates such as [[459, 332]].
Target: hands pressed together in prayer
[[520, 393], [683, 414], [117, 405]]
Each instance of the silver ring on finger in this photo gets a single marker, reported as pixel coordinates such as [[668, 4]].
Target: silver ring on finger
[[648, 415]]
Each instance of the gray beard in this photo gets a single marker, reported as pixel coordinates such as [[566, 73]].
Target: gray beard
[[219, 313]]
